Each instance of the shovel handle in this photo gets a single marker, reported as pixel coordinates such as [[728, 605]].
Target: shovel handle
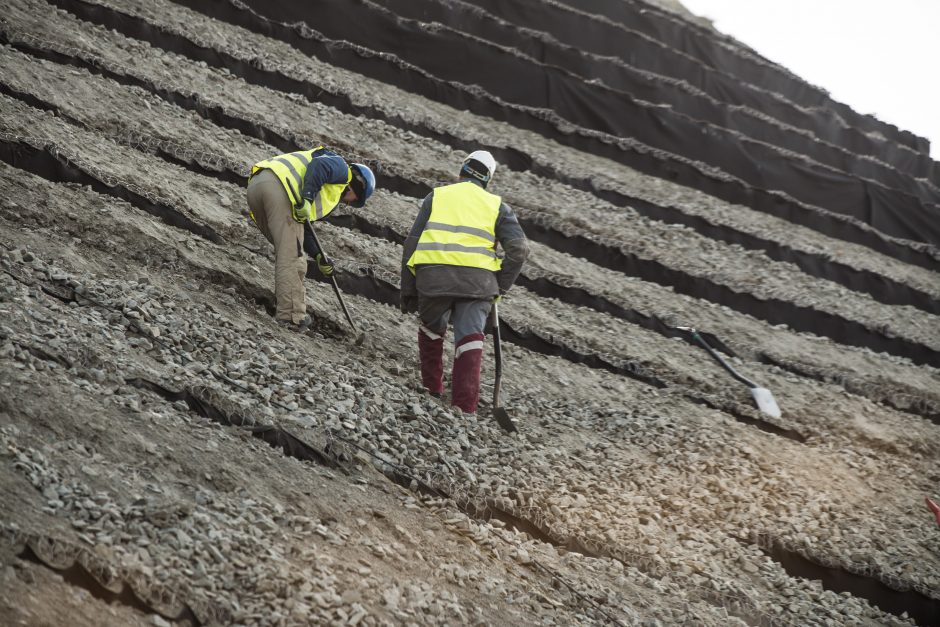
[[342, 303], [498, 355], [724, 364], [499, 412], [339, 294]]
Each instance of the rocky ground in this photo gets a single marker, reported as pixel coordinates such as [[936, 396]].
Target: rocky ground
[[169, 454]]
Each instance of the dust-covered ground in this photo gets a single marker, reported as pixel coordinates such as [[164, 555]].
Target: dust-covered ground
[[168, 453]]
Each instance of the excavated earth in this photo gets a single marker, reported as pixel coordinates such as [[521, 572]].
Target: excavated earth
[[169, 454]]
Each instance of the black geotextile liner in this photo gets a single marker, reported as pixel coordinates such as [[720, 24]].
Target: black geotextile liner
[[349, 56], [924, 610], [49, 164], [706, 45], [83, 569], [879, 287], [635, 56], [444, 53], [772, 310], [276, 437]]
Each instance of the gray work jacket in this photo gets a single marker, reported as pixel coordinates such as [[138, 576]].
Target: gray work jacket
[[461, 281]]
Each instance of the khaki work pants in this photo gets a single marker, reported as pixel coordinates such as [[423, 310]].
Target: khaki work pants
[[269, 203]]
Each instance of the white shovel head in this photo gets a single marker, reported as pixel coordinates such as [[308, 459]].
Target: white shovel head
[[765, 401]]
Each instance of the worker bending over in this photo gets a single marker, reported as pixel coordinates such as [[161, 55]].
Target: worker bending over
[[285, 194]]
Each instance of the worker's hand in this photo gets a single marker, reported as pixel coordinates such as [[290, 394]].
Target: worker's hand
[[304, 212], [325, 264], [409, 303]]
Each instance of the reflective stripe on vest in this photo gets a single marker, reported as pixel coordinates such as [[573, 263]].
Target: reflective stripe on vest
[[290, 169], [461, 230]]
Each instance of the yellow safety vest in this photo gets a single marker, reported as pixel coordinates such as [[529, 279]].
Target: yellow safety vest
[[461, 230], [290, 168]]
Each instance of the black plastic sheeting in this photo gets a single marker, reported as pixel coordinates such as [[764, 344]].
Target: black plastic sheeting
[[276, 437], [647, 69], [74, 572], [706, 45], [54, 167], [41, 161], [348, 56], [924, 610], [452, 56], [376, 289], [879, 287], [772, 310]]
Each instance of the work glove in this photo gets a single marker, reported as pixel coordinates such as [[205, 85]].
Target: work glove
[[304, 212], [325, 265], [409, 303]]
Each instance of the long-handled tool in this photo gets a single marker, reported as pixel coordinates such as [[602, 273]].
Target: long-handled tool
[[360, 337], [762, 396], [499, 412]]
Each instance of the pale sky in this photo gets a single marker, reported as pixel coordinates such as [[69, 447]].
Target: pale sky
[[880, 57]]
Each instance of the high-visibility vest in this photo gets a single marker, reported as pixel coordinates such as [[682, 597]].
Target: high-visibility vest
[[461, 230], [290, 169]]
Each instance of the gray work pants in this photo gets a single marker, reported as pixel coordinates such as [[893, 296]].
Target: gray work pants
[[469, 318], [272, 214]]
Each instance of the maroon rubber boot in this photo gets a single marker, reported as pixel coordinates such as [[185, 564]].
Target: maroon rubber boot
[[468, 358], [431, 355], [934, 508]]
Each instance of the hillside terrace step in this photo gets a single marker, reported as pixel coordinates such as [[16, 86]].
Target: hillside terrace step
[[538, 227], [530, 97], [725, 53], [379, 96], [796, 129]]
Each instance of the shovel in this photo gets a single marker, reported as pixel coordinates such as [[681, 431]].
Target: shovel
[[499, 412], [360, 337], [762, 396]]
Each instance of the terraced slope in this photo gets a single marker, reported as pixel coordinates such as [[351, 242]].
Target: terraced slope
[[439, 62], [169, 453], [794, 128]]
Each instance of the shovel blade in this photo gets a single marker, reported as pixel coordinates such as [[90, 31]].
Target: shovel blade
[[765, 402], [502, 417]]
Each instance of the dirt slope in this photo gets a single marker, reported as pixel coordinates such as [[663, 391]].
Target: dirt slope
[[168, 453]]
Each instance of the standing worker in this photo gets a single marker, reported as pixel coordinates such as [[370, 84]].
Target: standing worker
[[450, 268], [285, 194]]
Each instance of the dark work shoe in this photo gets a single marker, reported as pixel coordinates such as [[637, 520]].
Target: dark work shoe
[[300, 327]]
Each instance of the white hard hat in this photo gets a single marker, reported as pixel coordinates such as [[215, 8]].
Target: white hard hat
[[480, 165]]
